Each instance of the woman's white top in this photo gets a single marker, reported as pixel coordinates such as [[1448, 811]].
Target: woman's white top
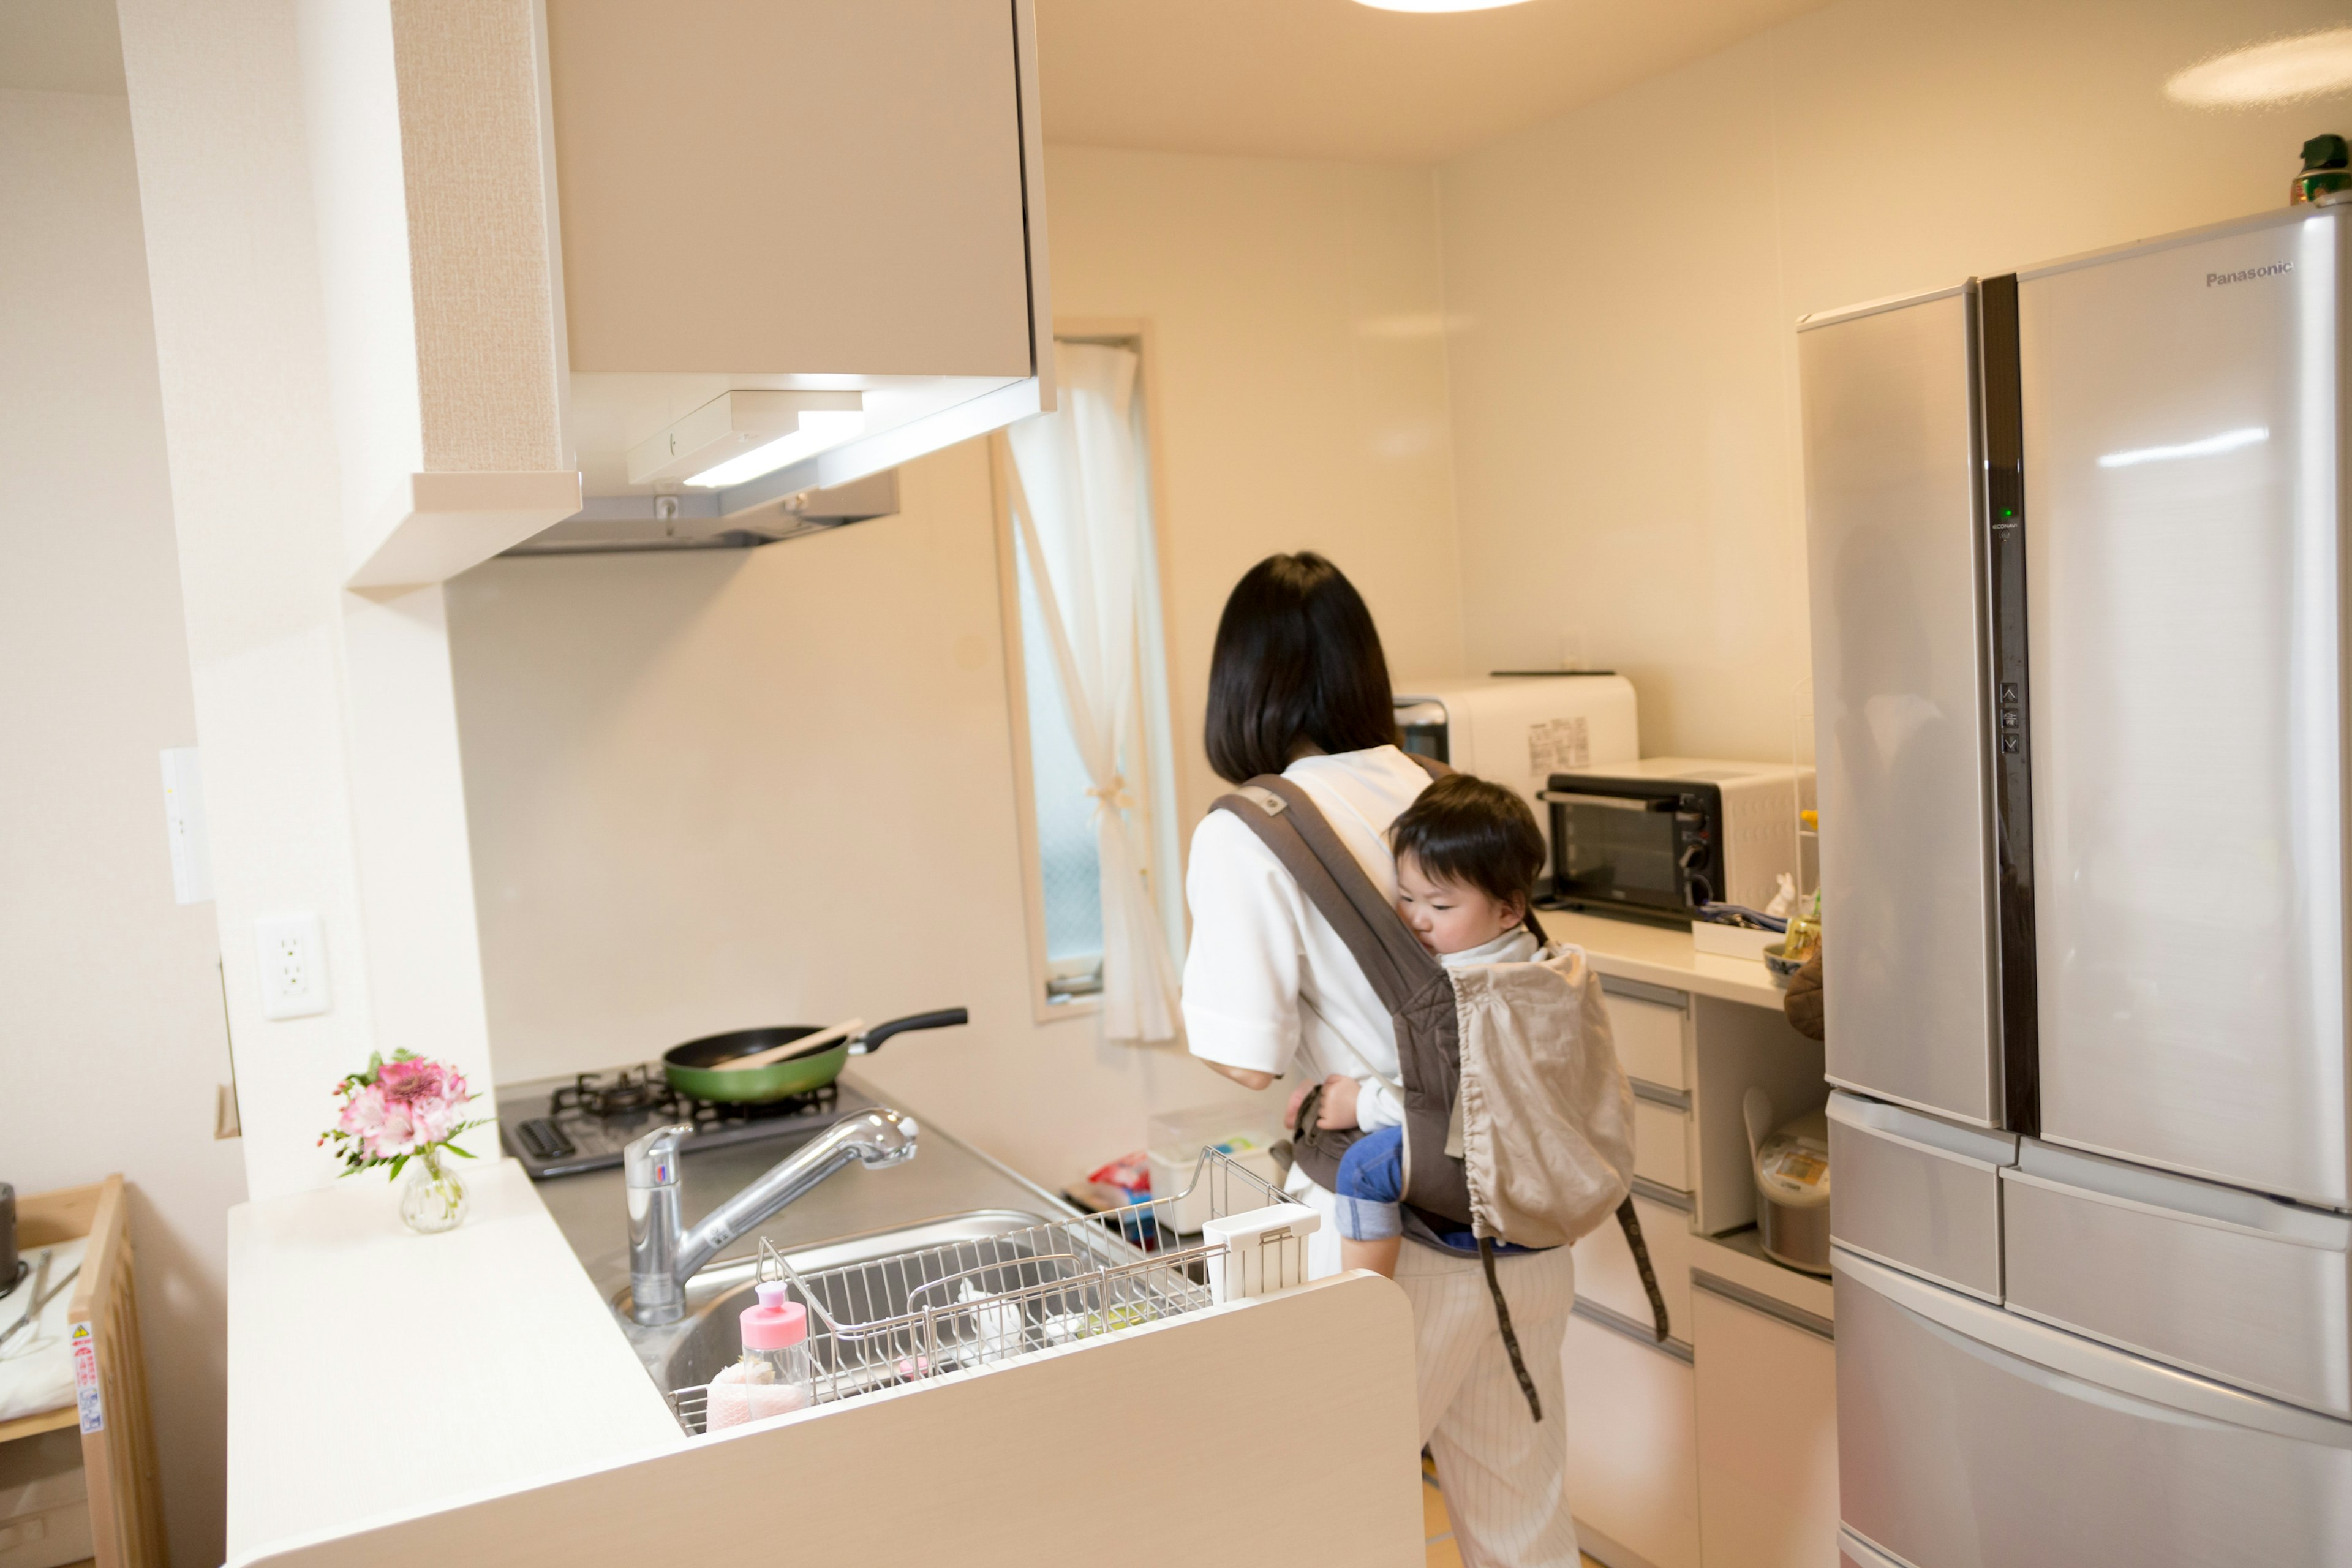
[[1268, 984]]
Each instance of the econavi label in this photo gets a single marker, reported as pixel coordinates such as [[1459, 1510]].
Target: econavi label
[[85, 1365]]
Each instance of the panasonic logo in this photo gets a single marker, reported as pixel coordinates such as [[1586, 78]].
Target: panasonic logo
[[2223, 280]]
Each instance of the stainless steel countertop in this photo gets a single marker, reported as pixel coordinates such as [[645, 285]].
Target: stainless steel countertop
[[947, 1177]]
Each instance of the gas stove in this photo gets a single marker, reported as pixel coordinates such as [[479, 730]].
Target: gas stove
[[560, 1127]]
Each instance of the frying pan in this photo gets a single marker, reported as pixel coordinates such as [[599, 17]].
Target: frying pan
[[690, 1067]]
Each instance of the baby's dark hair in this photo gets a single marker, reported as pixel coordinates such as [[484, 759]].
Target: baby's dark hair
[[1479, 835]]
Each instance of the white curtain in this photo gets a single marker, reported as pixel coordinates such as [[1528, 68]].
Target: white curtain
[[1075, 484]]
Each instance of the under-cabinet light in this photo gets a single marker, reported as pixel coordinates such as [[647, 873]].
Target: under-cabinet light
[[736, 425], [820, 429]]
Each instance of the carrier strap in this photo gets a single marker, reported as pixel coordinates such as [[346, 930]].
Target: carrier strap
[[1503, 1321], [1631, 1224], [1289, 823]]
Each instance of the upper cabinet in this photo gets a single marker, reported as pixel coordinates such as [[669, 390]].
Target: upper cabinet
[[842, 203], [656, 274], [797, 186]]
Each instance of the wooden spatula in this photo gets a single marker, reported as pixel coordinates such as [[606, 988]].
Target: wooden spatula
[[807, 1044]]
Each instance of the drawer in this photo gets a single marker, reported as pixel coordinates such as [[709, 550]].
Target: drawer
[[1767, 1448], [1650, 1025], [1918, 1191], [2244, 1289], [1971, 1437], [1662, 1135], [1633, 1443], [1605, 1272]]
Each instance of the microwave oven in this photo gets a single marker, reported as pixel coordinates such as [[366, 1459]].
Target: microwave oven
[[1660, 838], [1519, 729]]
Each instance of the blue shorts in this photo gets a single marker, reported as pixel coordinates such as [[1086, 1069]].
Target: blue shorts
[[1370, 1189]]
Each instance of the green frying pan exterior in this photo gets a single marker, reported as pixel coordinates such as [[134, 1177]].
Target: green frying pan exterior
[[759, 1085], [691, 1068]]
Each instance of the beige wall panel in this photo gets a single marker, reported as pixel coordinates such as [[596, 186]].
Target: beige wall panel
[[479, 255], [791, 186]]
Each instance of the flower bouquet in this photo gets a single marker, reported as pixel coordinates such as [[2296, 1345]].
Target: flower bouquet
[[404, 1110]]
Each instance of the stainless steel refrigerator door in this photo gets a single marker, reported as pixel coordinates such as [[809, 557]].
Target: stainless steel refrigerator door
[[1898, 703], [1969, 1437], [2182, 426]]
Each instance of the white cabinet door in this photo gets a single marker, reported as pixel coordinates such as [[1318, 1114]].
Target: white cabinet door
[[1767, 1458], [1632, 1459], [793, 186]]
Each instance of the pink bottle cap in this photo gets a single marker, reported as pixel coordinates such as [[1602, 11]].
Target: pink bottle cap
[[775, 1323]]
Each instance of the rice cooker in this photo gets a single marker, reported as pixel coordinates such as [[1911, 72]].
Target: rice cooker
[[1792, 1185]]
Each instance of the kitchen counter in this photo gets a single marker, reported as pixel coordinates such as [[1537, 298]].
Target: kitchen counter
[[375, 1373], [1662, 955]]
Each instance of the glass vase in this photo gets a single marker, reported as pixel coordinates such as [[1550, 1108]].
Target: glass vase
[[433, 1197]]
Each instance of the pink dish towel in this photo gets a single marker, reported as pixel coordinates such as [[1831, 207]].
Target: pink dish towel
[[733, 1402]]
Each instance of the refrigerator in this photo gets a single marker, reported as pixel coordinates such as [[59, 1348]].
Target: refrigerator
[[2076, 556]]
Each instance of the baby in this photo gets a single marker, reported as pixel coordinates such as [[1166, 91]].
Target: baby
[[1467, 856]]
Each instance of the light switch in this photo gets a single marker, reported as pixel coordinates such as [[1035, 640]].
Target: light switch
[[188, 827], [293, 957]]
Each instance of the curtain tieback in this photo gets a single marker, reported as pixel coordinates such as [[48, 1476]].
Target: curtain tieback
[[1112, 797]]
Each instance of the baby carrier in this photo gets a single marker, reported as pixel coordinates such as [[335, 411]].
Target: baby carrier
[[1517, 1118]]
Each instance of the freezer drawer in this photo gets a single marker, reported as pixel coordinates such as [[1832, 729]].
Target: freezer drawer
[[1633, 1443], [1662, 1135], [1971, 1437], [2242, 1287], [1917, 1192], [1604, 1264], [1651, 1025]]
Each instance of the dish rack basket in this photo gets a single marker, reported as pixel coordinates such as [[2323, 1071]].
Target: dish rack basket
[[920, 1314]]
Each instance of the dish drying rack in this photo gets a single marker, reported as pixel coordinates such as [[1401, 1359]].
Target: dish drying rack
[[920, 1314]]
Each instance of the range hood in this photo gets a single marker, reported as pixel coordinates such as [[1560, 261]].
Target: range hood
[[611, 525]]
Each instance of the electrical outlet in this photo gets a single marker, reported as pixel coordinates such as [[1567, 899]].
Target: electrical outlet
[[293, 958]]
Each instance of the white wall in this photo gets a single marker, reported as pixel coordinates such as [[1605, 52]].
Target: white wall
[[712, 791], [1296, 309], [112, 1036], [1624, 283]]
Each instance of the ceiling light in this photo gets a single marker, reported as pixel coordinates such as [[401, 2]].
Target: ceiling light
[[2283, 70], [2210, 447], [733, 426], [1439, 5]]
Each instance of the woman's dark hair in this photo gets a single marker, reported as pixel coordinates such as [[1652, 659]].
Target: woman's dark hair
[[1473, 834], [1298, 658]]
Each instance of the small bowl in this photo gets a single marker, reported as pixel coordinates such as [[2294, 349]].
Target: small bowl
[[1784, 968]]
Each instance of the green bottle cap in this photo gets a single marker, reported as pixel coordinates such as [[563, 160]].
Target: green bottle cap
[[2328, 151]]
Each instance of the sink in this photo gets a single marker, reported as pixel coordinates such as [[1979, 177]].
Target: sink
[[998, 1248]]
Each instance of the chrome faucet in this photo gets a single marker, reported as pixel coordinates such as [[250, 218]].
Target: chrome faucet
[[661, 1260]]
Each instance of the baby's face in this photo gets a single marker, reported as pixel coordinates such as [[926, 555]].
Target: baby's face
[[1446, 916]]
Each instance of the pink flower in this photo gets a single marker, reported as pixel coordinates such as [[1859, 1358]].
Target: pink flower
[[411, 1104]]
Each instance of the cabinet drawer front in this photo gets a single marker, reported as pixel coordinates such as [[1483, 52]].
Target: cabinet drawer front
[[1767, 1438], [2249, 1291], [1662, 1144], [1919, 1193], [1605, 1270], [1648, 1036], [1954, 1417], [1633, 1446]]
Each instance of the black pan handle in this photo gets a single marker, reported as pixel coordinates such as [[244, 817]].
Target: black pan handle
[[871, 1041]]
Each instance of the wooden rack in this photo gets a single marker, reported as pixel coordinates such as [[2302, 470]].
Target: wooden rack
[[118, 1456]]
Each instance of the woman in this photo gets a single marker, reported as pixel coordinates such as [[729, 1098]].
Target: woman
[[1298, 686]]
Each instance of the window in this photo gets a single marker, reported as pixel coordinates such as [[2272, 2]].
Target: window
[[1064, 476]]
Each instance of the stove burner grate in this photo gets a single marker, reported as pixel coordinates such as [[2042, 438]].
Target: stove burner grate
[[632, 1091]]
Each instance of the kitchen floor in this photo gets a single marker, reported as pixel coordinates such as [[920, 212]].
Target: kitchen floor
[[1444, 1550]]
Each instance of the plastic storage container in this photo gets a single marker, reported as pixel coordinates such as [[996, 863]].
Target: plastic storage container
[[1244, 1134]]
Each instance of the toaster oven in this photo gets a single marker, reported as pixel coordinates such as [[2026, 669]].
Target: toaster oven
[[1662, 837]]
